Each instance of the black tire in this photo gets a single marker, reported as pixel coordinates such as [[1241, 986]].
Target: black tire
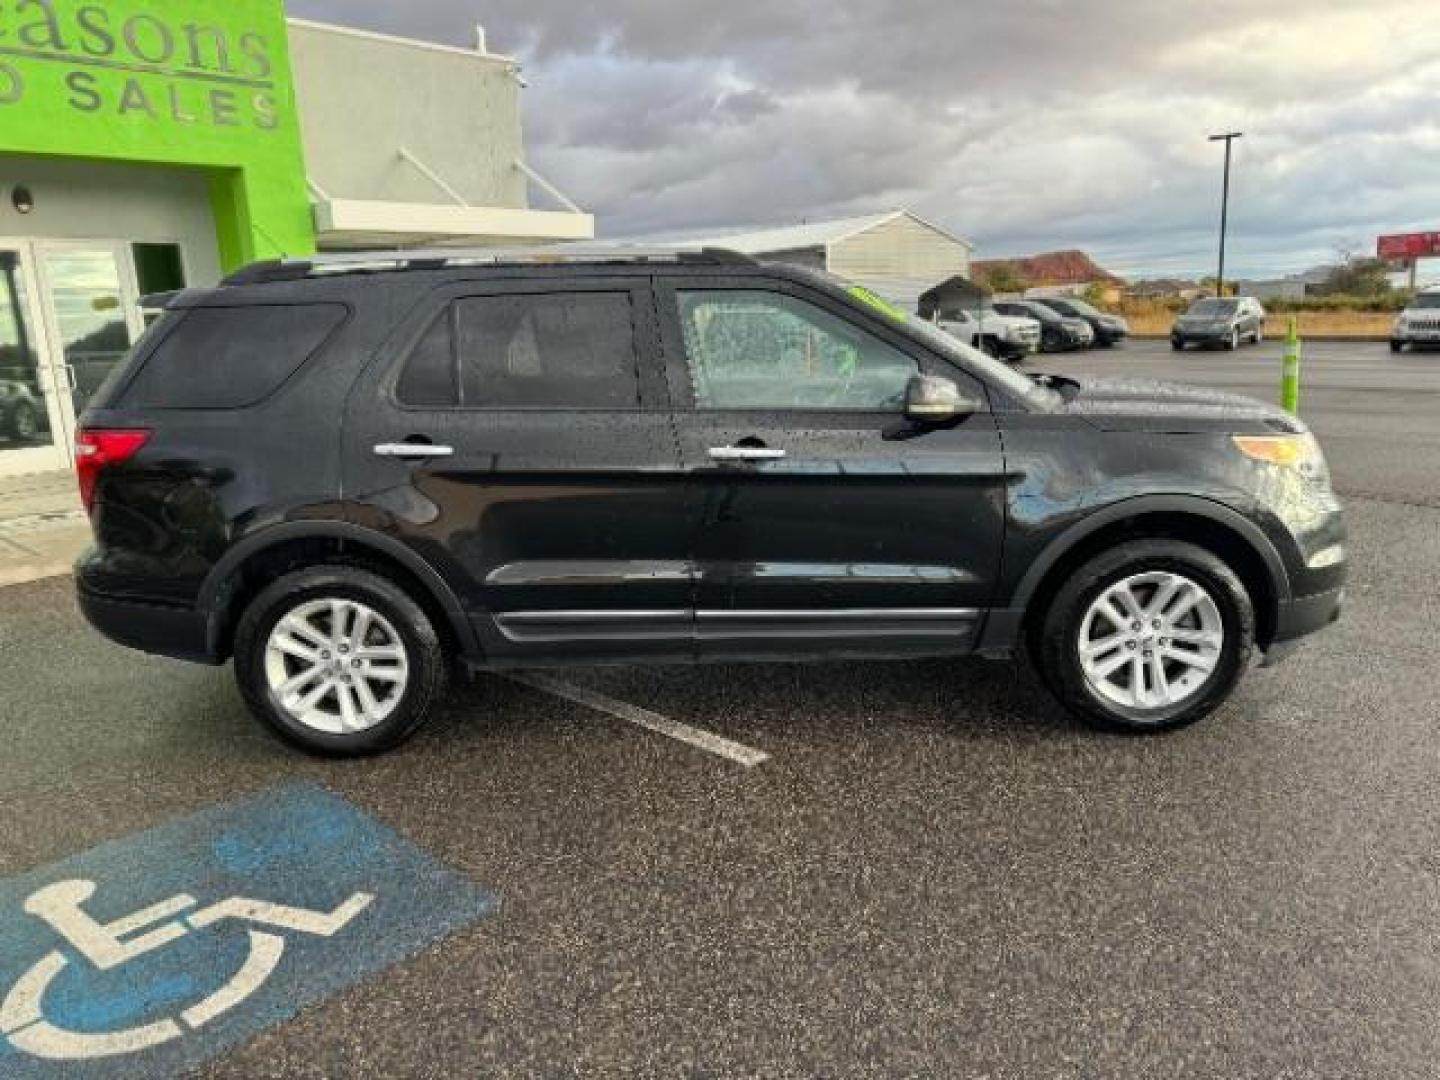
[[1396, 346], [424, 654], [1177, 344], [1056, 638], [24, 422]]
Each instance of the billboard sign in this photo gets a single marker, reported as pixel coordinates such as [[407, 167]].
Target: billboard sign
[[1407, 246]]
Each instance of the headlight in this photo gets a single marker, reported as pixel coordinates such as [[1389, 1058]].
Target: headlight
[[1300, 453]]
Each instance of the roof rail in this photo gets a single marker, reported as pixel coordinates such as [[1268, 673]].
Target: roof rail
[[359, 262]]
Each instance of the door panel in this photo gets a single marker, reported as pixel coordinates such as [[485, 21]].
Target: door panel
[[33, 432], [858, 539], [564, 529]]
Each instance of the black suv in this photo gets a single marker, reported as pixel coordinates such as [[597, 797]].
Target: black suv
[[356, 475], [1109, 329]]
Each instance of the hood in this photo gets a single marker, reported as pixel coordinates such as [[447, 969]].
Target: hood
[[1152, 405]]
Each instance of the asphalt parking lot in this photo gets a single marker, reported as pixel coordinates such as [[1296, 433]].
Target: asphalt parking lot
[[933, 872]]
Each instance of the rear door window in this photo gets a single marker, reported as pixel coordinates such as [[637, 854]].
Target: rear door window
[[563, 350], [231, 358]]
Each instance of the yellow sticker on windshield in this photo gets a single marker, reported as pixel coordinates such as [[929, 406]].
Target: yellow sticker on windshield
[[877, 303]]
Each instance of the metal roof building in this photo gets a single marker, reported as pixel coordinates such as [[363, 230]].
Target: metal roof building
[[896, 254]]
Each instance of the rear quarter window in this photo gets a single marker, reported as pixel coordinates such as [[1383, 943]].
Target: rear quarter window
[[231, 358]]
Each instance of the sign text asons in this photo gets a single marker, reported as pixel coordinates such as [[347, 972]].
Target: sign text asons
[[137, 65]]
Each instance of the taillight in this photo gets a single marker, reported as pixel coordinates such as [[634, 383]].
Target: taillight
[[96, 449]]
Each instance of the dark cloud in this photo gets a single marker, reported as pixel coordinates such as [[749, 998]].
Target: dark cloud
[[1023, 125]]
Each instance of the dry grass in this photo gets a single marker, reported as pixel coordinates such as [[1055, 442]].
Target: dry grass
[[1155, 321]]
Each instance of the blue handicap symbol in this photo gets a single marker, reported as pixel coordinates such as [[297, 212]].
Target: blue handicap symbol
[[151, 954]]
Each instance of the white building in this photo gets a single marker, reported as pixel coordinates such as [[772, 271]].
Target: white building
[[896, 254]]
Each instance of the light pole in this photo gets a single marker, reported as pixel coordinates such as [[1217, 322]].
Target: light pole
[[1228, 138]]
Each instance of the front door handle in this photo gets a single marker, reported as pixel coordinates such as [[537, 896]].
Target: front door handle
[[413, 450], [746, 453]]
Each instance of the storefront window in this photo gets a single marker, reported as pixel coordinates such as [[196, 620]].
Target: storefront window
[[90, 319], [23, 419], [159, 268]]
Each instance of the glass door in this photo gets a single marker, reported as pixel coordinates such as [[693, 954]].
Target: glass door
[[92, 314], [34, 393]]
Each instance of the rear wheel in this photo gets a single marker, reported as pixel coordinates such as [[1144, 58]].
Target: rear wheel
[[25, 422], [1149, 636], [338, 661], [1396, 346], [1177, 344]]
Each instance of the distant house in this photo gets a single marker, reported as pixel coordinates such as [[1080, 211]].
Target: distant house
[[897, 254], [1052, 273]]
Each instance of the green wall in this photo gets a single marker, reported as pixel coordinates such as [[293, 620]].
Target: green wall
[[198, 83]]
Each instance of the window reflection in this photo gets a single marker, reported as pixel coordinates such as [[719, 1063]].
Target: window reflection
[[23, 418], [87, 299]]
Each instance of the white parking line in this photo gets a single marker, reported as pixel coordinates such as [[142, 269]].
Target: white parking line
[[652, 721]]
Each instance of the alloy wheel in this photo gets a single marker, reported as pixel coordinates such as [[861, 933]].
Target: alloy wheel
[[1151, 641], [336, 666]]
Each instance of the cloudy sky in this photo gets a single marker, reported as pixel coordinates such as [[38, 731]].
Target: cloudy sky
[[1024, 125]]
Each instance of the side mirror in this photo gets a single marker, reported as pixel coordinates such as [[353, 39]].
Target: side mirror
[[930, 399]]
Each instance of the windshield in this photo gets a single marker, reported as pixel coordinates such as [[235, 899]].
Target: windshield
[[986, 367], [961, 355], [1078, 307], [1211, 309], [1027, 310], [1426, 300]]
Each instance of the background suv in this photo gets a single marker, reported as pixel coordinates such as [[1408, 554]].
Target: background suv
[[1419, 323], [1058, 333], [1009, 337], [355, 474], [1109, 329], [1226, 321]]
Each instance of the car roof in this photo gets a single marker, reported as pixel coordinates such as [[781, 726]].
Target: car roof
[[418, 259]]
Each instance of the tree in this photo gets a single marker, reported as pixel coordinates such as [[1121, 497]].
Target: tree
[[1357, 275], [1005, 278]]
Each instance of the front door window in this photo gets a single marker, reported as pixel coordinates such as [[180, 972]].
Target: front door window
[[765, 350]]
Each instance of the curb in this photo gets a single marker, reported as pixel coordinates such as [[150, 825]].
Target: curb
[[42, 571], [1358, 339]]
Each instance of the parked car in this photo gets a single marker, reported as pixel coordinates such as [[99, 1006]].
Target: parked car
[[355, 473], [21, 412], [1419, 323], [1007, 337], [1109, 329], [1058, 333], [1226, 321]]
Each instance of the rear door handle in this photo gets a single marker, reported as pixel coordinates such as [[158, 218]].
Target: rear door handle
[[745, 453], [413, 450]]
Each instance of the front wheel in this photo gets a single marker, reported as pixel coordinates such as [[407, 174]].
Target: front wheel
[[1149, 636], [1396, 346], [338, 661]]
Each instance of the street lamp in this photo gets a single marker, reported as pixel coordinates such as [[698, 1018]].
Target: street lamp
[[1228, 138]]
